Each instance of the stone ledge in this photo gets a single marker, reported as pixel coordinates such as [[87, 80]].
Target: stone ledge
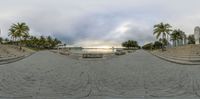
[[13, 59], [177, 61]]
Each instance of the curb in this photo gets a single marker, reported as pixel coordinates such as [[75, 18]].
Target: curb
[[177, 61], [14, 59]]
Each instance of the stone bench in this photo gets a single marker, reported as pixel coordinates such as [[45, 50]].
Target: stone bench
[[120, 53], [90, 55], [64, 53]]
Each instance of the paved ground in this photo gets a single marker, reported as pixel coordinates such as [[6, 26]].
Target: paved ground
[[140, 75]]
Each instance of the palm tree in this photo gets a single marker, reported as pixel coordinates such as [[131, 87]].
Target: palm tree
[[161, 31], [25, 37], [50, 42], [34, 42], [42, 42], [19, 30], [56, 41], [177, 36], [13, 34]]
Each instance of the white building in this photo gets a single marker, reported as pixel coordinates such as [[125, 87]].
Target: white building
[[197, 35]]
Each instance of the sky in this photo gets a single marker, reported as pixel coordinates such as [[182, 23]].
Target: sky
[[92, 23]]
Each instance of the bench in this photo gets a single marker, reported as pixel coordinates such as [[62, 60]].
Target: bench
[[90, 55], [119, 52]]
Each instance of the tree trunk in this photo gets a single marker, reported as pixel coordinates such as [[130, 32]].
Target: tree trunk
[[20, 44], [175, 43], [163, 41]]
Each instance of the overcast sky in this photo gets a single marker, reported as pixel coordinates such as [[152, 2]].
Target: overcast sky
[[99, 22]]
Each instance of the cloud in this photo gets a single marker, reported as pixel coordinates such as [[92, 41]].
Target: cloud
[[97, 22]]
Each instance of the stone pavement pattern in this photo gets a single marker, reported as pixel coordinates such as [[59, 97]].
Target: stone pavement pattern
[[140, 75]]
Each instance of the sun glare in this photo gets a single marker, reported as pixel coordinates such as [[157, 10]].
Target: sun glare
[[101, 46], [123, 28]]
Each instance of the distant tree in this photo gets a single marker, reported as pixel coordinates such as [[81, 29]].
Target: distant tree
[[57, 41], [176, 36], [19, 34], [191, 39], [130, 44], [49, 42], [6, 40], [157, 45], [42, 42], [151, 46], [164, 42], [148, 46]]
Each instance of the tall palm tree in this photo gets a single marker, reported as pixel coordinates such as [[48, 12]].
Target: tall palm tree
[[161, 31], [19, 30]]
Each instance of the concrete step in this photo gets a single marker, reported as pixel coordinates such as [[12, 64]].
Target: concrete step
[[178, 60]]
